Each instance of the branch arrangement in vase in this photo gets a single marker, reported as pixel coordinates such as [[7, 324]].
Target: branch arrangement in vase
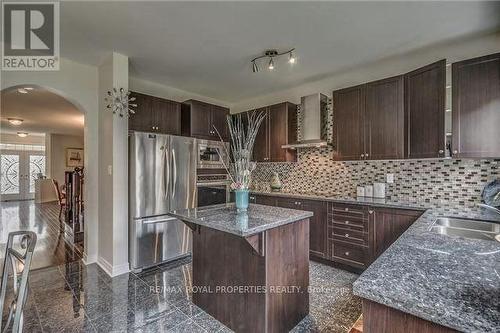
[[243, 130]]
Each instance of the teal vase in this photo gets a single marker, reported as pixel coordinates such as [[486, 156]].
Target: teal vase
[[241, 200]]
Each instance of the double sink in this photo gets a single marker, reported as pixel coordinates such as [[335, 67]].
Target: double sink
[[467, 228]]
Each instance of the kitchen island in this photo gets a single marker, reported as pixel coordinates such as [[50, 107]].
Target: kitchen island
[[250, 269]]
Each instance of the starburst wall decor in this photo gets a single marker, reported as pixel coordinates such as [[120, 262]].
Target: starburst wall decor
[[120, 102]]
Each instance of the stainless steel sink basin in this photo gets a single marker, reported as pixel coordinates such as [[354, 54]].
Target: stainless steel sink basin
[[476, 229]]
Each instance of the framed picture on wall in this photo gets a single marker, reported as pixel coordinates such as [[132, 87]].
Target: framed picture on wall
[[74, 157]]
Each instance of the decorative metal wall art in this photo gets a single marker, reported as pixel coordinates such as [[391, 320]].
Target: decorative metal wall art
[[120, 102]]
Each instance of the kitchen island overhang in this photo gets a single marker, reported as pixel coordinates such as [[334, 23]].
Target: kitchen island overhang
[[250, 269]]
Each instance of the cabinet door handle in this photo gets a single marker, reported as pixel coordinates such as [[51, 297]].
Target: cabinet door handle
[[455, 152], [362, 155], [370, 212], [346, 209], [347, 253], [299, 203], [441, 151], [347, 235], [346, 222], [366, 155]]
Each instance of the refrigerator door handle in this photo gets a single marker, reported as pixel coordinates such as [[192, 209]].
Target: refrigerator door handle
[[166, 173], [174, 162]]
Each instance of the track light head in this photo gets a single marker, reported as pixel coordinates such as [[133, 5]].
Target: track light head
[[255, 68], [291, 59], [271, 64]]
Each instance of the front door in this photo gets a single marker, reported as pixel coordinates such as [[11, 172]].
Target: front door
[[18, 171]]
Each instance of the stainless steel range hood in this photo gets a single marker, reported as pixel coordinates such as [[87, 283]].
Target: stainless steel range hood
[[312, 122]]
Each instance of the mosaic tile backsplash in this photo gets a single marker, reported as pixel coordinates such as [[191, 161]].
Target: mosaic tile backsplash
[[315, 172]]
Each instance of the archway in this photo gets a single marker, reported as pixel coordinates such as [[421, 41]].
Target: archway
[[42, 155]]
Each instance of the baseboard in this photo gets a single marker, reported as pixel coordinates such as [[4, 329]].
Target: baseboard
[[87, 260], [112, 270]]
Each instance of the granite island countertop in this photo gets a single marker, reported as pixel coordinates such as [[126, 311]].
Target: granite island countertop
[[256, 219], [451, 281]]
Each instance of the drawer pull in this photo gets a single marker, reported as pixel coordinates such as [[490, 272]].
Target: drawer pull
[[346, 209], [347, 253], [346, 222], [347, 235]]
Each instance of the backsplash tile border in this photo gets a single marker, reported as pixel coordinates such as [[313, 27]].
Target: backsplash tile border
[[315, 172]]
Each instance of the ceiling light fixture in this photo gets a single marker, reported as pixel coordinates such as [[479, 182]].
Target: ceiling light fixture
[[15, 121], [271, 54], [22, 134]]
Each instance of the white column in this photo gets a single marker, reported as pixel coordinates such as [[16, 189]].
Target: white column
[[113, 171]]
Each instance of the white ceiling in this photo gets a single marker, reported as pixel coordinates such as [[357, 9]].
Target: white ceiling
[[206, 47], [42, 112]]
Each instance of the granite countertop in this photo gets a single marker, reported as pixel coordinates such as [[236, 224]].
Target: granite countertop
[[452, 281], [256, 219]]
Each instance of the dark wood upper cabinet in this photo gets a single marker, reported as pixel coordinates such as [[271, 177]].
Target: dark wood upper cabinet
[[154, 114], [425, 91], [278, 128], [476, 107], [261, 145], [219, 121], [384, 119], [203, 120], [369, 120], [142, 119], [349, 106], [282, 131], [167, 116]]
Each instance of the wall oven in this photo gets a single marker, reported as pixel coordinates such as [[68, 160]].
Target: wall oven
[[212, 154], [212, 187]]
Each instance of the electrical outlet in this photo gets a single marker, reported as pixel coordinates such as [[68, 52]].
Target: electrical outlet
[[390, 178]]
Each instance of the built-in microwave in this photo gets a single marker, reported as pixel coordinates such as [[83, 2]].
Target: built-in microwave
[[212, 154]]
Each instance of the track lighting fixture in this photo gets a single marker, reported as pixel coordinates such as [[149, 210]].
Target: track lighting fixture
[[22, 134], [271, 54]]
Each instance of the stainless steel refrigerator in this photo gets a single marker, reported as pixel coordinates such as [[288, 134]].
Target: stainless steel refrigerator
[[162, 177]]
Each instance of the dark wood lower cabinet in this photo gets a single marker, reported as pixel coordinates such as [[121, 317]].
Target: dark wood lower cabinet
[[350, 236], [276, 258], [380, 318], [388, 225]]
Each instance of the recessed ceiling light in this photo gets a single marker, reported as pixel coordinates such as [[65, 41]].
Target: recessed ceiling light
[[22, 90], [15, 121], [22, 134]]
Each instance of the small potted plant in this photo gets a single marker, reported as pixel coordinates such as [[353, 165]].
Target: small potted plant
[[243, 133]]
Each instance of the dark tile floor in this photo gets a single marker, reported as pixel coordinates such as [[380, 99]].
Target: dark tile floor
[[78, 298], [68, 296]]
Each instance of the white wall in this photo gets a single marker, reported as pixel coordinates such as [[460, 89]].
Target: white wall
[[57, 154], [78, 83], [167, 92], [453, 51]]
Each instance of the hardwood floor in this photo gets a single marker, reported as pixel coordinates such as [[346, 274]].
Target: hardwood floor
[[50, 249]]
